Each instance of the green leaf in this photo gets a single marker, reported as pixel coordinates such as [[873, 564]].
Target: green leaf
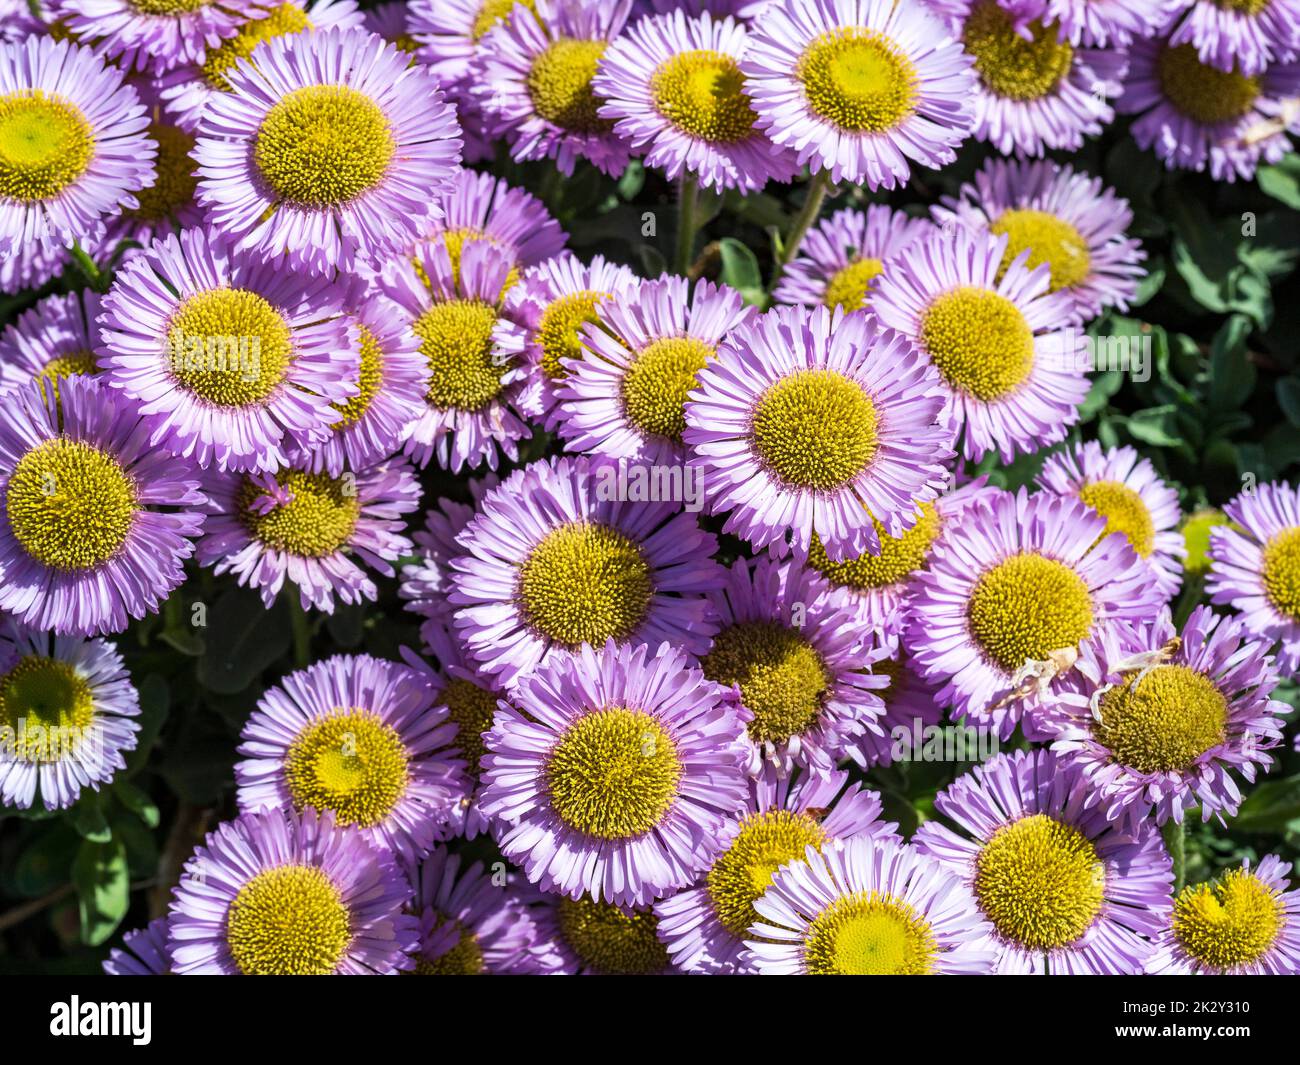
[[102, 882], [1282, 181], [138, 802], [1156, 425], [1232, 377], [47, 861], [740, 271], [1271, 807], [1288, 398], [653, 263], [244, 637], [155, 699], [89, 820]]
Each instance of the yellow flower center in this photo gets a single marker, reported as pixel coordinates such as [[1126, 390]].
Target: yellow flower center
[[315, 523], [494, 11], [559, 84], [1281, 575], [229, 347], [46, 707], [472, 709], [176, 182], [870, 934], [1230, 923], [70, 505], [764, 843], [1124, 512], [585, 583], [703, 93], [848, 286], [781, 677], [454, 240], [1009, 65], [323, 146], [350, 762], [613, 774], [1026, 607], [71, 364], [46, 144], [464, 959], [558, 332], [282, 21], [612, 941], [899, 558], [815, 429], [1048, 239], [1245, 7], [1196, 538], [456, 340], [169, 7], [1040, 882], [1163, 720], [1202, 92], [288, 921], [858, 79], [979, 341], [370, 379], [657, 383]]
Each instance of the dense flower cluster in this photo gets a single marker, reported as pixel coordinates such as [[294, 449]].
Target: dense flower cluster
[[714, 546]]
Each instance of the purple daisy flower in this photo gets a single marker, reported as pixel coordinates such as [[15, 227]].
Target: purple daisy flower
[[625, 396], [1066, 891], [860, 88], [553, 301], [31, 266], [17, 21], [187, 89], [67, 709], [143, 952], [867, 907], [1194, 114], [583, 937], [457, 312], [54, 339], [79, 150], [330, 145], [88, 534], [389, 20], [1160, 720], [1066, 219], [674, 89], [312, 529], [841, 259], [555, 560], [1248, 35], [797, 666], [449, 33], [1011, 377], [231, 361], [1012, 592], [533, 80], [1033, 89], [1099, 23], [1247, 922], [705, 926], [911, 707], [276, 894], [469, 924], [811, 422], [1255, 566], [616, 781], [155, 34], [360, 737], [1125, 489]]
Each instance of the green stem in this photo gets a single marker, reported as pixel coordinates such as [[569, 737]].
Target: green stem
[[688, 209], [94, 276], [812, 207], [1176, 840], [301, 629]]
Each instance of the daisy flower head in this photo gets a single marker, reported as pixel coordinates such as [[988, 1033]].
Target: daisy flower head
[[32, 266], [841, 259], [1159, 720], [1066, 891], [867, 907], [911, 707], [449, 34], [468, 338], [360, 737], [811, 422], [1012, 592], [330, 145], [616, 781], [859, 88], [553, 301], [1254, 566], [1243, 35], [319, 532], [389, 21], [1245, 922], [233, 362], [583, 937], [1125, 489], [95, 524], [674, 88], [188, 88], [555, 560], [155, 34], [799, 667], [1068, 220], [534, 77], [624, 397], [1194, 114], [67, 715], [1012, 378], [1034, 90], [143, 952], [54, 339], [73, 147], [1098, 23], [282, 894], [705, 926], [17, 22]]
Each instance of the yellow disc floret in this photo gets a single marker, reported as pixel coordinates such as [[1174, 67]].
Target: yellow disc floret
[[1124, 512], [175, 185], [472, 709], [1229, 924], [979, 341], [703, 93], [869, 934], [1281, 572], [858, 79], [349, 762], [1048, 239], [288, 921], [369, 380], [1007, 63], [899, 558], [655, 387], [46, 706], [559, 333], [286, 19], [1026, 607], [46, 144], [612, 941], [494, 11], [229, 347], [1162, 719], [1202, 92], [463, 959], [559, 85], [318, 520], [456, 341], [848, 286]]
